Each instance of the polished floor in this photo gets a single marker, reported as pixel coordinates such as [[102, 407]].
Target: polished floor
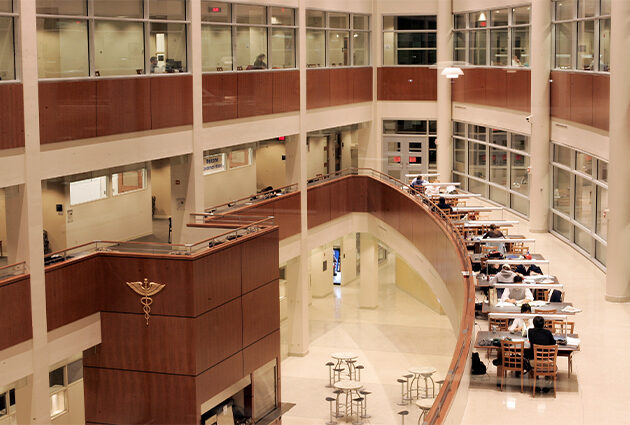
[[402, 333]]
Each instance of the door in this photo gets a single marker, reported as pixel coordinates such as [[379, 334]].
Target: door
[[405, 155]]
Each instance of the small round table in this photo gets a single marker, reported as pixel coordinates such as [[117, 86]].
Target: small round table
[[346, 357], [348, 386], [424, 372]]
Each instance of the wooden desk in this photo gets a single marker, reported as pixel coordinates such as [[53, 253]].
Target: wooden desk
[[487, 308], [489, 335], [476, 209], [484, 282]]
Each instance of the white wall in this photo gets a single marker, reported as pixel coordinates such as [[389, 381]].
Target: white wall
[[54, 193], [75, 414], [321, 280], [3, 221], [466, 5], [226, 186], [270, 168], [316, 157], [161, 186]]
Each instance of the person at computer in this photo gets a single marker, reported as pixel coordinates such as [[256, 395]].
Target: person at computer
[[260, 63], [154, 64], [520, 325], [512, 295]]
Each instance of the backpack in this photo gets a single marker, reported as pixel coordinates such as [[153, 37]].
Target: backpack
[[477, 368]]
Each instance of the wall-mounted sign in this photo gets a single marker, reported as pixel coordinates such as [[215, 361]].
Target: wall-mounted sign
[[213, 163]]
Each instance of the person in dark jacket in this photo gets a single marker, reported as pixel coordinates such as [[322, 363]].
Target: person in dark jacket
[[538, 336], [444, 206]]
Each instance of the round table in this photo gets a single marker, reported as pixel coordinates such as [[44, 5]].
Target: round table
[[346, 357], [424, 372], [348, 386]]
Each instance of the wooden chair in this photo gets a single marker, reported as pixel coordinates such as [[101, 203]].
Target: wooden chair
[[544, 364], [561, 327], [498, 324], [543, 311], [541, 294], [512, 359], [487, 249], [519, 248]]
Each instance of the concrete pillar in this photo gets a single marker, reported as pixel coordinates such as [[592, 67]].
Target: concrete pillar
[[31, 213], [17, 231], [540, 116], [618, 266], [444, 58], [348, 256], [368, 292]]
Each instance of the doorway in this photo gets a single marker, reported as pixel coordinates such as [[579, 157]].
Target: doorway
[[406, 155]]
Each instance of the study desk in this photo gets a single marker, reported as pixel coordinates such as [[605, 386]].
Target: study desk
[[455, 195], [475, 209], [490, 335], [481, 223], [516, 309]]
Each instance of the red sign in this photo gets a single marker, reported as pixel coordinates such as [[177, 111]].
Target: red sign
[[216, 9]]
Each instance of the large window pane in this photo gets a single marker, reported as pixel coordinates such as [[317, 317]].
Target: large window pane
[[251, 48], [216, 42], [562, 226], [584, 240], [499, 17], [498, 166], [602, 206], [339, 20], [360, 22], [477, 160], [315, 48], [460, 21], [361, 48], [6, 6], [498, 47], [499, 195], [460, 47], [586, 45], [128, 181], [215, 11], [478, 19], [315, 18], [564, 50], [7, 56], [459, 129], [119, 8], [562, 155], [499, 137], [520, 46], [283, 48], [602, 171], [520, 142], [282, 16], [477, 132], [605, 7], [584, 163], [338, 48], [119, 48], [389, 48], [475, 186], [520, 15], [62, 48], [477, 47], [584, 202], [562, 190], [600, 252], [565, 9], [167, 9], [246, 14], [406, 23], [168, 45], [519, 179], [587, 8], [459, 155], [604, 45], [65, 7], [519, 204]]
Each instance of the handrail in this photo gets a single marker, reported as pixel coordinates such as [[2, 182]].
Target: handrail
[[12, 270], [249, 200]]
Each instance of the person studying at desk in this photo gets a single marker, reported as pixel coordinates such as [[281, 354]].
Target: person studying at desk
[[446, 208], [520, 325], [512, 295]]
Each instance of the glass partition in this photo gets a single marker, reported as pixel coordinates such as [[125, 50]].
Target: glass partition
[[337, 39], [119, 47], [62, 48], [7, 49], [410, 40]]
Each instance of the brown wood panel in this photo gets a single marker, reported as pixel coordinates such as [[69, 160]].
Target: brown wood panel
[[218, 335], [255, 94], [407, 83], [601, 101], [317, 88], [407, 214], [475, 81], [358, 194], [375, 199], [339, 200], [171, 101], [496, 87], [261, 312], [519, 90], [15, 312], [125, 397], [123, 105], [219, 96], [318, 202], [287, 215], [582, 98], [165, 346], [286, 91], [219, 377], [362, 84], [458, 89], [74, 291], [260, 261], [67, 110], [261, 352], [216, 278], [391, 206], [11, 116], [561, 95], [341, 87]]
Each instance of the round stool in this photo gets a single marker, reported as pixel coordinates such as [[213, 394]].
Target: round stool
[[330, 374], [402, 414], [331, 421], [425, 405], [359, 368], [426, 373], [337, 374], [403, 399], [439, 379], [409, 378], [338, 394], [358, 402], [364, 414]]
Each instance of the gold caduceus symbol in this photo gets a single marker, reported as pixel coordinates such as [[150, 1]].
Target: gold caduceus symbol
[[147, 290]]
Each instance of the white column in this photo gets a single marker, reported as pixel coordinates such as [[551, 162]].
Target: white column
[[540, 116], [348, 258], [444, 58], [618, 266], [368, 292], [31, 213]]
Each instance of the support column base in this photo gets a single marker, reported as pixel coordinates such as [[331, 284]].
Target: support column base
[[300, 354], [618, 299], [368, 307]]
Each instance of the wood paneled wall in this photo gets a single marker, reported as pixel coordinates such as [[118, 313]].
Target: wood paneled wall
[[234, 95], [407, 83], [498, 87], [11, 116], [70, 110], [581, 97], [338, 86], [15, 311]]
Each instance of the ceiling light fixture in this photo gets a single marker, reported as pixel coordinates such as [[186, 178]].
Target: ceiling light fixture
[[452, 72]]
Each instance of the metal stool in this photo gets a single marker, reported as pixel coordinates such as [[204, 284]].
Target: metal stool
[[359, 404], [440, 381], [338, 392], [425, 405], [402, 414], [359, 368], [337, 374], [364, 414], [409, 378], [330, 374], [331, 421], [426, 373], [403, 400], [351, 369]]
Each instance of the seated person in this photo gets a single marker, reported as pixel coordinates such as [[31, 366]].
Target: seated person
[[444, 206], [418, 183], [432, 190], [538, 335], [521, 325], [493, 233], [506, 275], [513, 295]]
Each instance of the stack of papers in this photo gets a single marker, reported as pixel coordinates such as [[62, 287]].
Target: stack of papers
[[571, 309], [573, 341], [538, 303]]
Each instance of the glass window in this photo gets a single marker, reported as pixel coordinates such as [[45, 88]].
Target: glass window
[[88, 190], [56, 379], [562, 190], [498, 166], [7, 56], [499, 195], [586, 45], [602, 212], [564, 49], [414, 41], [339, 20], [459, 156], [62, 48], [562, 226], [360, 22], [216, 41], [520, 15], [586, 8], [168, 44], [215, 11], [565, 10], [600, 252], [562, 155], [477, 132], [460, 21], [360, 48], [66, 7], [75, 371], [519, 176], [477, 160], [476, 186], [602, 170], [584, 240], [167, 9], [119, 48], [315, 48], [498, 47], [604, 45], [283, 48], [519, 204], [246, 14], [240, 158], [499, 137], [315, 18], [459, 129], [128, 181], [460, 47], [251, 48], [499, 17], [584, 163], [584, 202], [477, 47], [409, 23], [282, 16], [6, 6], [119, 8], [478, 19], [520, 142], [57, 403], [605, 7], [338, 48], [214, 163], [520, 46]]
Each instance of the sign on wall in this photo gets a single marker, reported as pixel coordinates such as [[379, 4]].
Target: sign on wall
[[213, 163]]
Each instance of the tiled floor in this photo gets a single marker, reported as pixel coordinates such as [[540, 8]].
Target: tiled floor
[[402, 332]]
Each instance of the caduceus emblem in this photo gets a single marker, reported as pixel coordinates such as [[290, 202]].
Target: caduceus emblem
[[146, 289]]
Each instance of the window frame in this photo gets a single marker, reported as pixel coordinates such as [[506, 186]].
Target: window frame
[[14, 15], [395, 32]]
